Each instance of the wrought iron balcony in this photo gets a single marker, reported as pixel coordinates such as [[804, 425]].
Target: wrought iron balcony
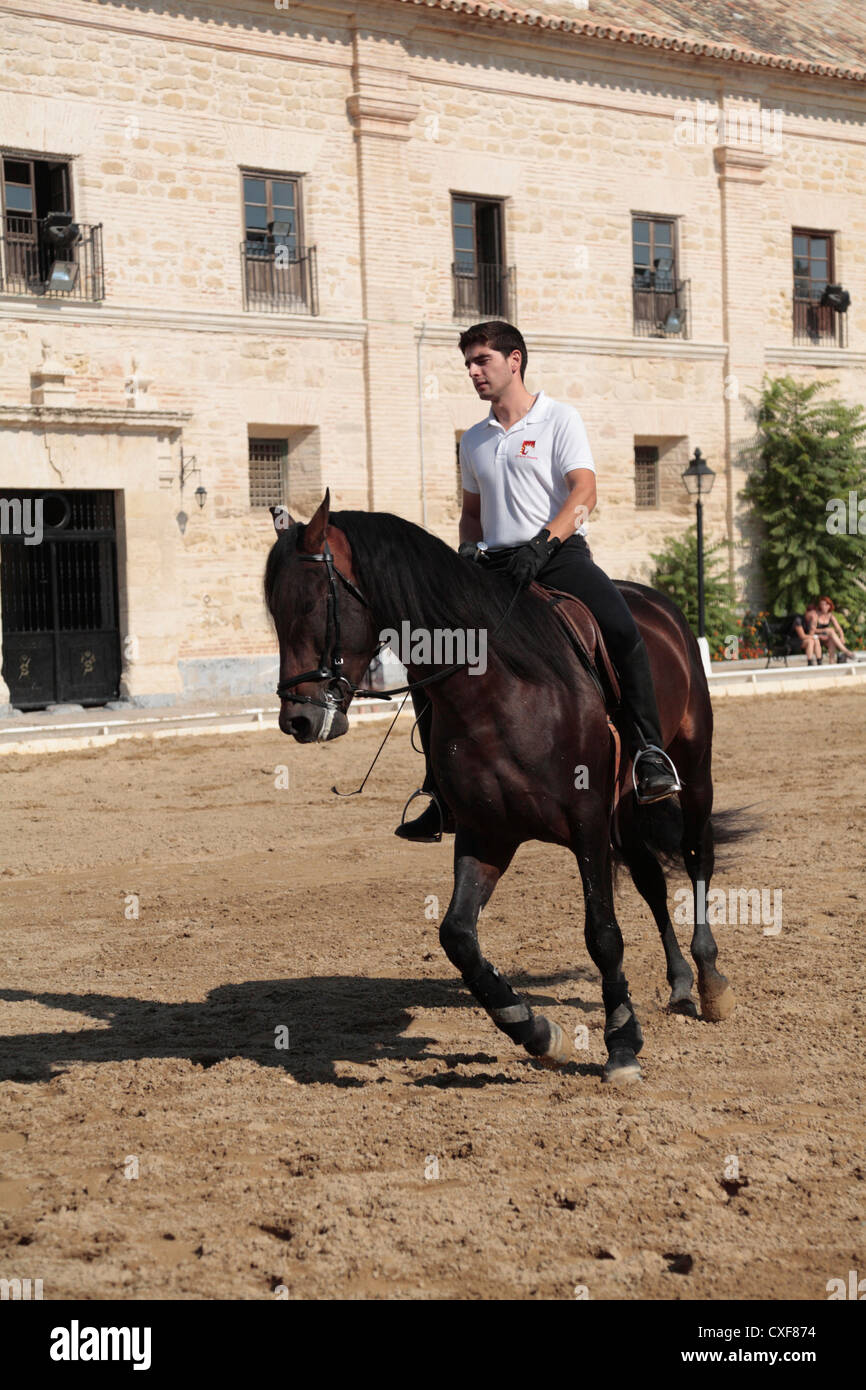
[[661, 305], [36, 260], [816, 323], [279, 278], [485, 291]]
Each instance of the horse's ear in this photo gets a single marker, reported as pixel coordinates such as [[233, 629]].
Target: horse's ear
[[283, 519], [314, 536]]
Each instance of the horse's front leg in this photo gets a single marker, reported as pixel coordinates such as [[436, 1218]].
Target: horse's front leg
[[478, 866]]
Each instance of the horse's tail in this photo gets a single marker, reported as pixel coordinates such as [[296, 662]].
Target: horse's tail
[[659, 826], [731, 827], [735, 824]]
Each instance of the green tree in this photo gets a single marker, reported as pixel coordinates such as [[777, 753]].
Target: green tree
[[808, 453], [676, 575]]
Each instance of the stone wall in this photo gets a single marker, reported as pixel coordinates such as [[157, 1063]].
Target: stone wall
[[384, 111]]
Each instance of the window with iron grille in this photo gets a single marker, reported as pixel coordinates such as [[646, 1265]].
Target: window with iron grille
[[267, 466], [814, 270], [279, 270], [660, 299], [646, 475], [482, 282], [43, 250]]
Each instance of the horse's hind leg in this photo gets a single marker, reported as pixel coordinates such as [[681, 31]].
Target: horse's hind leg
[[478, 866], [622, 1032], [717, 997], [649, 880]]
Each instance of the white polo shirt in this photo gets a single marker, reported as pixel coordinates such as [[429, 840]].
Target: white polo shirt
[[520, 473]]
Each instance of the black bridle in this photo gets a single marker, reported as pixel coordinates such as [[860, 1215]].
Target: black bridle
[[332, 671]]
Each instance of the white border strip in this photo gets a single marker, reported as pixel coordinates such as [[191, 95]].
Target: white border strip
[[769, 680], [98, 733]]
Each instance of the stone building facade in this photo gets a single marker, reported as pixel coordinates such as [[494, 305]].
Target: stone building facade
[[285, 215]]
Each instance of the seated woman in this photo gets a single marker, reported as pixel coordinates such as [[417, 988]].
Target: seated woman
[[828, 631], [802, 638]]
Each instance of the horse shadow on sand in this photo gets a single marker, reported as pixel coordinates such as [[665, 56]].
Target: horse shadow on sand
[[324, 1020]]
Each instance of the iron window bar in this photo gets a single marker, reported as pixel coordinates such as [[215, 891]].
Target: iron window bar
[[28, 259], [661, 305], [279, 278], [484, 290], [816, 323]]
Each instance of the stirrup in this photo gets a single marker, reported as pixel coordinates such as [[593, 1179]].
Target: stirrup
[[653, 748], [434, 798]]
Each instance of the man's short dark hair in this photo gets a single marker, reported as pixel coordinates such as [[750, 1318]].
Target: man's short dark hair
[[501, 336]]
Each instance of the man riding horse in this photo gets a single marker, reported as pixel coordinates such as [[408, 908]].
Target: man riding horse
[[528, 489]]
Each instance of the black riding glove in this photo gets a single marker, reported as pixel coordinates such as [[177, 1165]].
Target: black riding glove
[[468, 550], [531, 558]]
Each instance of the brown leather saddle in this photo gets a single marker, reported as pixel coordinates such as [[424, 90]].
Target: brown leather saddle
[[584, 634]]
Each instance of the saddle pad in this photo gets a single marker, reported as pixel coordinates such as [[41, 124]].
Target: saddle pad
[[581, 626]]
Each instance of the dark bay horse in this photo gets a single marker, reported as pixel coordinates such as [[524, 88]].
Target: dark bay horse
[[521, 752]]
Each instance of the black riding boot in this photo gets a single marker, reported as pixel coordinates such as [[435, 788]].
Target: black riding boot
[[654, 773], [430, 826]]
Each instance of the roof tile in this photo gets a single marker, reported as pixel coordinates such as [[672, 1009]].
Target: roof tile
[[821, 36]]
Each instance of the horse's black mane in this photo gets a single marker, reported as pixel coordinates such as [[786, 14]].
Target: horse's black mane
[[404, 572]]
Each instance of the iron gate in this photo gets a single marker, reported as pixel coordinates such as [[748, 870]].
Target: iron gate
[[59, 601]]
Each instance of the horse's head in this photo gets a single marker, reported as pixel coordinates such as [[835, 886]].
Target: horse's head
[[325, 630]]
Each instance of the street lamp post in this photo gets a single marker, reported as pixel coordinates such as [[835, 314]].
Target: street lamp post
[[699, 508], [698, 479]]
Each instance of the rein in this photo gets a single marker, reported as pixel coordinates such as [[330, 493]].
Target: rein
[[333, 672]]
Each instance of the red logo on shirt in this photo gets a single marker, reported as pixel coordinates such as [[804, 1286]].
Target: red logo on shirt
[[526, 446]]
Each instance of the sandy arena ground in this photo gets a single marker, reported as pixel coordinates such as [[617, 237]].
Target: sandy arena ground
[[149, 1043]]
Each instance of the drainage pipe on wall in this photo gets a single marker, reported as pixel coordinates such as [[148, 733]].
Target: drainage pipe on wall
[[421, 425]]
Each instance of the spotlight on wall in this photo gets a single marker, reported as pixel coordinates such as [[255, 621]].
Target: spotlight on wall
[[280, 231], [59, 231], [60, 234], [836, 298], [62, 276]]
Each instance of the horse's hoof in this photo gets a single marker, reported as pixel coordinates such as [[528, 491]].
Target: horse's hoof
[[621, 1068], [685, 1006], [719, 1005], [559, 1050]]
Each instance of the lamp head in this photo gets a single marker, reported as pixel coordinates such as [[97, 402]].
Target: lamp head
[[698, 477]]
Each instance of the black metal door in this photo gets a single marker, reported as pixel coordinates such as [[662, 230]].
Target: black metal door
[[59, 599]]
